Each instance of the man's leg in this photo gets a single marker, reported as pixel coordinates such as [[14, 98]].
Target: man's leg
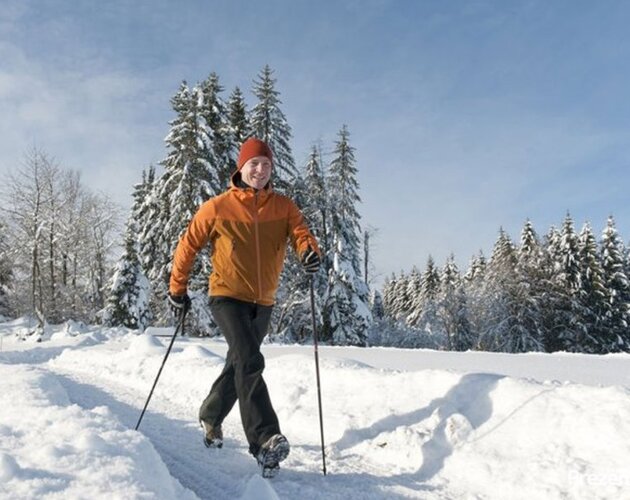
[[244, 326], [221, 398]]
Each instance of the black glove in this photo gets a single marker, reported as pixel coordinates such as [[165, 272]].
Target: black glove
[[310, 261], [179, 304]]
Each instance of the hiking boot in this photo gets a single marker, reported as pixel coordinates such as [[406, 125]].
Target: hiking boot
[[271, 453], [213, 437]]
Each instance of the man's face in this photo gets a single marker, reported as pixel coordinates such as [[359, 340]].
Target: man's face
[[256, 172]]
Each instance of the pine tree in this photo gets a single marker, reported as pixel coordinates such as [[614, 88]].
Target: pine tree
[[591, 295], [346, 313], [400, 300], [316, 209], [223, 147], [551, 257], [529, 294], [411, 295], [566, 285], [189, 179], [343, 189], [292, 317], [424, 314], [127, 303], [499, 319], [474, 287], [616, 289], [148, 231], [388, 295], [452, 308], [237, 118], [569, 260], [476, 269], [268, 123]]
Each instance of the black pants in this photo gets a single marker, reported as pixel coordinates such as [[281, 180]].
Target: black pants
[[244, 325]]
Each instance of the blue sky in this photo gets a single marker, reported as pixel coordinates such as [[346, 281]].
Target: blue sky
[[466, 116]]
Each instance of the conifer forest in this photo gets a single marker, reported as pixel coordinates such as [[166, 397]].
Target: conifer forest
[[69, 252]]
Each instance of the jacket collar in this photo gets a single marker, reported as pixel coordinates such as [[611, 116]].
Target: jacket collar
[[244, 191]]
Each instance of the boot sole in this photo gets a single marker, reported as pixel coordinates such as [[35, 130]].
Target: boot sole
[[271, 462]]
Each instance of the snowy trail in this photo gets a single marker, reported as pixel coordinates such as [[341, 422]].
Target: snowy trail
[[434, 434], [224, 474]]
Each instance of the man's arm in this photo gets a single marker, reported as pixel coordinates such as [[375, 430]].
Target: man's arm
[[193, 240]]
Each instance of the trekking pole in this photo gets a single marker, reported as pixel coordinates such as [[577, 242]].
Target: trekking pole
[[319, 392], [179, 326]]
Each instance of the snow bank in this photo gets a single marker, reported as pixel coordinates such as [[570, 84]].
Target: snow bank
[[472, 435], [52, 448]]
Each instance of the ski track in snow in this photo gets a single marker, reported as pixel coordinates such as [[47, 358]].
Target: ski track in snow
[[216, 474], [225, 473]]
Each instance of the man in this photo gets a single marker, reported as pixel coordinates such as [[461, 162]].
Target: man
[[248, 227]]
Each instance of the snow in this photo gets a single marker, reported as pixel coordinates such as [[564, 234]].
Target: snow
[[398, 423]]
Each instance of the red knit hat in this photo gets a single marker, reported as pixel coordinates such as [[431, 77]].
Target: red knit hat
[[251, 148]]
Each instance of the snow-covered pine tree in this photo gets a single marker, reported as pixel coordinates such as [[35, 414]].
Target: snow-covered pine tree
[[498, 319], [238, 123], [616, 289], [426, 309], [591, 295], [190, 178], [398, 308], [388, 295], [292, 317], [569, 255], [347, 313], [476, 268], [385, 331], [147, 231], [411, 295], [566, 285], [127, 303], [268, 123], [316, 209], [223, 144], [452, 308], [474, 287], [551, 257], [529, 294]]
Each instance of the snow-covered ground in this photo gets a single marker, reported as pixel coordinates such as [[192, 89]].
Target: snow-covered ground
[[398, 423]]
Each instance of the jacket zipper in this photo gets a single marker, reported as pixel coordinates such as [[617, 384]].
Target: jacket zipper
[[257, 246]]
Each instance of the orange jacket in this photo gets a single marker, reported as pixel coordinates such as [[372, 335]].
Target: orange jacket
[[248, 231]]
